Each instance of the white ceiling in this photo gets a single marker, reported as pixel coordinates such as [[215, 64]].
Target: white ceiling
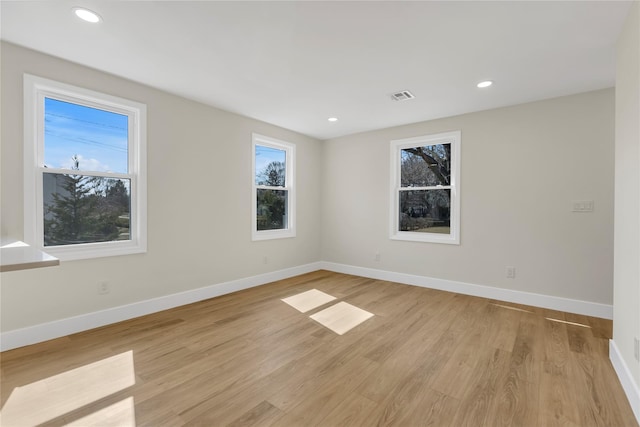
[[295, 64]]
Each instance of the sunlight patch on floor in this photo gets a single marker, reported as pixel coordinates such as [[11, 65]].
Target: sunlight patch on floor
[[308, 300], [120, 414], [342, 317], [568, 323], [508, 307], [52, 397]]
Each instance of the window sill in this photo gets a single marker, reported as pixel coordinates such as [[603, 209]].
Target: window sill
[[95, 250], [272, 234], [18, 255], [425, 237]]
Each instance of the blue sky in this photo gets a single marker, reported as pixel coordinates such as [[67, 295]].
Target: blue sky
[[266, 155], [99, 138]]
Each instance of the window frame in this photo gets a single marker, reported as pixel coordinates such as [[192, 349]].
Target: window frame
[[36, 89], [453, 138], [290, 187]]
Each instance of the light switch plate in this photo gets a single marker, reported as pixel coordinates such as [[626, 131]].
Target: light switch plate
[[582, 206]]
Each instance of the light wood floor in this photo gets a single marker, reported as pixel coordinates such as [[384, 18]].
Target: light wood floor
[[426, 357]]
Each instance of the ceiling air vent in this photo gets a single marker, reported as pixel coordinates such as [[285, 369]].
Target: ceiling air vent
[[402, 95]]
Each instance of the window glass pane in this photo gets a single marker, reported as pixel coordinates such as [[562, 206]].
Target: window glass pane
[[425, 166], [85, 209], [84, 138], [425, 211], [270, 166], [272, 209]]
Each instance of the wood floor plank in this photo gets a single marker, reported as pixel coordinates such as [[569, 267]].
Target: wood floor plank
[[557, 397], [601, 328], [426, 357], [515, 402], [491, 370], [527, 356], [329, 394], [505, 323], [399, 404], [432, 409], [262, 414], [353, 410], [459, 366]]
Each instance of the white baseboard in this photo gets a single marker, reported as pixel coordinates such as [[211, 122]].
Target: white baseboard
[[626, 379], [587, 308], [59, 328]]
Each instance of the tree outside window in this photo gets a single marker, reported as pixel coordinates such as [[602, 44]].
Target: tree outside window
[[425, 188], [273, 189], [86, 154]]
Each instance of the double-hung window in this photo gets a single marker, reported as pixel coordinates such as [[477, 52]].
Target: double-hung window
[[273, 196], [425, 188], [85, 179]]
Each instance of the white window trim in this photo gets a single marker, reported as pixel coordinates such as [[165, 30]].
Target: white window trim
[[442, 138], [290, 180], [35, 90]]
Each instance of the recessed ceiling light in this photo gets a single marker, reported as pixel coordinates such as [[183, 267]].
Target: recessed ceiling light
[[86, 15], [484, 84], [333, 119]]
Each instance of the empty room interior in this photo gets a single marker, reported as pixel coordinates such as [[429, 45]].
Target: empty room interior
[[314, 213]]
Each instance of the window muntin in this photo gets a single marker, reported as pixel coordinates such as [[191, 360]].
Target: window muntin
[[425, 188], [85, 192], [273, 205]]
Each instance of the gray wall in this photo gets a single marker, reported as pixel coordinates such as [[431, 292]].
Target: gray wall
[[199, 201], [521, 167]]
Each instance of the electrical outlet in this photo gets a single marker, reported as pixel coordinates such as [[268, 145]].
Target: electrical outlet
[[265, 260], [376, 258], [511, 272], [636, 348], [103, 288]]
